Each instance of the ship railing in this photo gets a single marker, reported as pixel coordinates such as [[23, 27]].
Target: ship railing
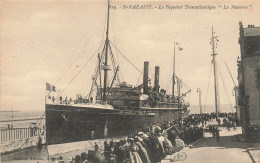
[[137, 112], [184, 104], [160, 105], [19, 133], [128, 112]]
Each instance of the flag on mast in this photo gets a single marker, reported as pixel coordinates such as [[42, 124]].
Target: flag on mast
[[50, 87], [180, 48]]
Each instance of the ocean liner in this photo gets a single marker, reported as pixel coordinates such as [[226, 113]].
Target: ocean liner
[[110, 109]]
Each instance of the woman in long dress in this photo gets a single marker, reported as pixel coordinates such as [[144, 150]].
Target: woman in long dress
[[134, 156]]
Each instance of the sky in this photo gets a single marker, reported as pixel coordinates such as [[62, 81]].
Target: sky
[[51, 41]]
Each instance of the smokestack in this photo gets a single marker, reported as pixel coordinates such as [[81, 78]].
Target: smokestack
[[156, 78], [145, 77]]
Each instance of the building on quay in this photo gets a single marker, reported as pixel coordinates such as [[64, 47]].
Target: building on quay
[[248, 101]]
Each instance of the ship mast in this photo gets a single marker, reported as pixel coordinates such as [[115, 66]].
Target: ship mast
[[215, 70], [173, 74], [105, 66]]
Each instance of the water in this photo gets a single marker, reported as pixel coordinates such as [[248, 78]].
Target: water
[[211, 108], [34, 153], [16, 119], [10, 116]]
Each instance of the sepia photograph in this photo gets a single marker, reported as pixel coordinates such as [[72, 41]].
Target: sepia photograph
[[129, 81]]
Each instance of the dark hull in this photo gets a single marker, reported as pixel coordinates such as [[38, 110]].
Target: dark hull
[[66, 124]]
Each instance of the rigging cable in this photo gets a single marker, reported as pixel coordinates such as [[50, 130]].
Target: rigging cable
[[77, 56], [225, 88], [71, 57], [185, 85], [169, 84], [97, 70], [113, 60], [112, 31], [115, 65], [120, 72], [79, 72], [85, 88], [34, 130], [126, 58], [96, 73], [231, 76], [138, 80], [206, 97]]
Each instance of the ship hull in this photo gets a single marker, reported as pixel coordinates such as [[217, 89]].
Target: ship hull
[[67, 123]]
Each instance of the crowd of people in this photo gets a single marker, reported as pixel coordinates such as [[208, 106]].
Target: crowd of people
[[201, 119], [214, 131], [146, 146], [230, 120], [153, 144]]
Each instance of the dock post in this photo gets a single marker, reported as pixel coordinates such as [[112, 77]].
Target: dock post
[[5, 135], [20, 134], [9, 135]]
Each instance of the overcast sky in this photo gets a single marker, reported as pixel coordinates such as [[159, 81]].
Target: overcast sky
[[39, 40]]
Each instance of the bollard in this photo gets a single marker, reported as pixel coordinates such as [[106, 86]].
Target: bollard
[[9, 135], [5, 135], [21, 133]]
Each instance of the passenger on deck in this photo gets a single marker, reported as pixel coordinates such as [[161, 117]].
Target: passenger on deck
[[96, 146], [66, 100], [217, 134], [60, 99]]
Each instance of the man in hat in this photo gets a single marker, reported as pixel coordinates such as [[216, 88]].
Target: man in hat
[[107, 150], [210, 129], [217, 134], [96, 146], [214, 131]]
